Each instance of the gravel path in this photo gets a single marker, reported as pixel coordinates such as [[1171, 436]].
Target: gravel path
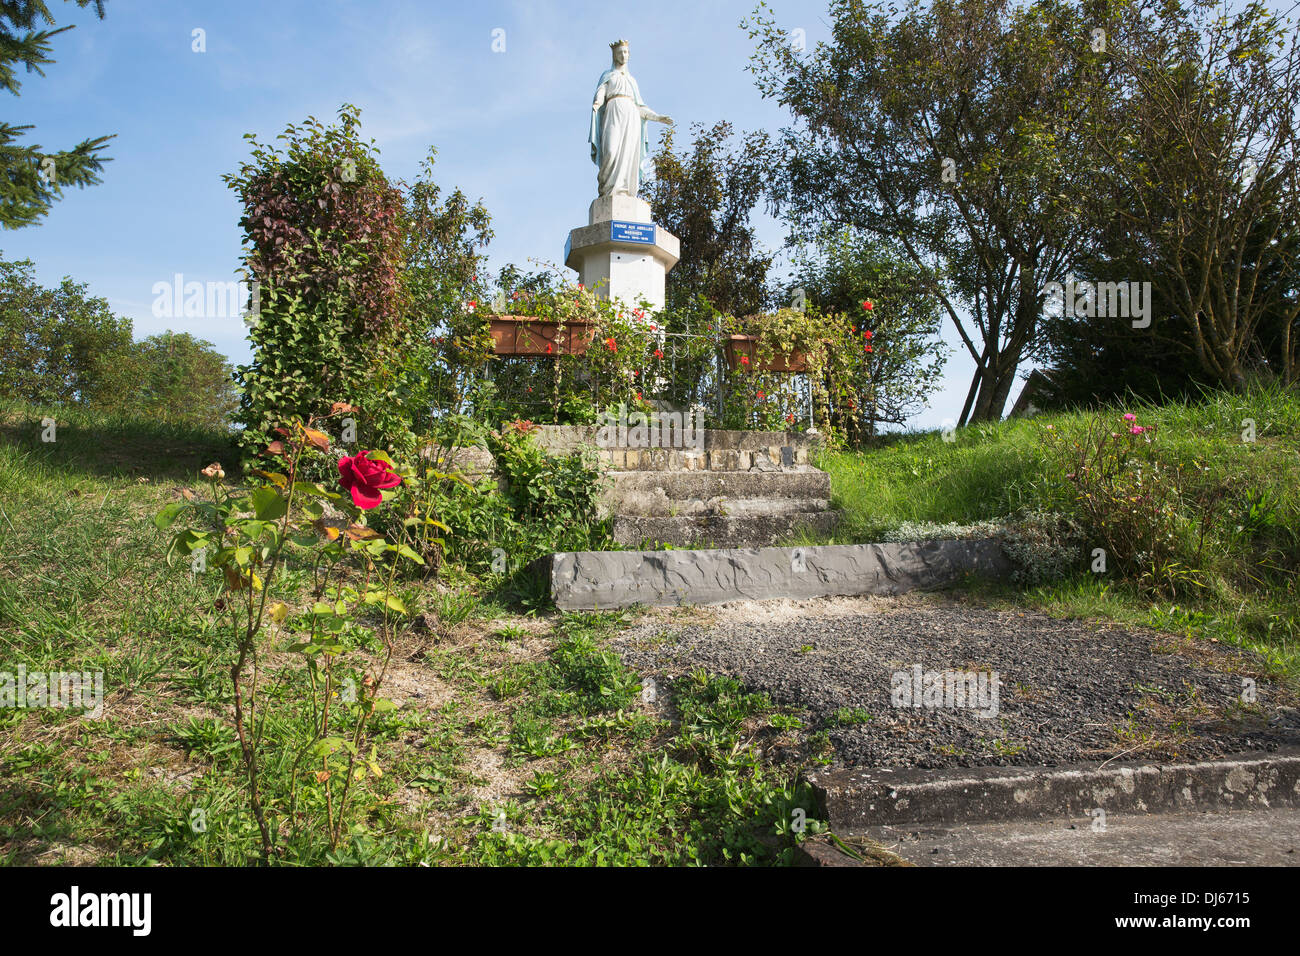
[[1068, 691]]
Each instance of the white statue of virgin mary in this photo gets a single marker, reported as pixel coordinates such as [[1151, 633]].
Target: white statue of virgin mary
[[617, 135]]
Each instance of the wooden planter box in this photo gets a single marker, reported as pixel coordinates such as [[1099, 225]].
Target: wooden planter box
[[747, 345], [527, 335]]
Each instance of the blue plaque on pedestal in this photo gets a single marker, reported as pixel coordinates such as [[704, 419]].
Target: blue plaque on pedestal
[[632, 232]]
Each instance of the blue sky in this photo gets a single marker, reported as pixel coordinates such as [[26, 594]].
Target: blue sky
[[510, 127]]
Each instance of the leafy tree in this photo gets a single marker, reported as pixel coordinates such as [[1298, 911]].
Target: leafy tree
[[705, 197], [32, 179], [63, 347], [896, 320], [324, 243], [956, 130], [445, 342], [183, 379], [59, 346], [1201, 192]]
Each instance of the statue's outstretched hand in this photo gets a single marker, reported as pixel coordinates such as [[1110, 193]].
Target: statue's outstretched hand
[[666, 119]]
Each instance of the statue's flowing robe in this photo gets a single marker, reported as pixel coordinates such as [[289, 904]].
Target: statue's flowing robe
[[618, 134]]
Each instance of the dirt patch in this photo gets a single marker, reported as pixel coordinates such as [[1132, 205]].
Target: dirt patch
[[876, 677]]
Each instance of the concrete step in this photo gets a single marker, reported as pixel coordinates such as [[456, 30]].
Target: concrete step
[[682, 492], [719, 531], [1265, 836], [564, 439], [769, 458], [665, 507], [855, 799]]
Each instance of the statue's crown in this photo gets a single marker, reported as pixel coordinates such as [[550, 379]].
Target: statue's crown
[[618, 43]]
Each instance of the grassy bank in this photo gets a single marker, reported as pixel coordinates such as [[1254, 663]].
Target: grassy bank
[[1234, 462], [516, 737]]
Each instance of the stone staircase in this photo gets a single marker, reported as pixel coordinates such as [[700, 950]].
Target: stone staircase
[[737, 489]]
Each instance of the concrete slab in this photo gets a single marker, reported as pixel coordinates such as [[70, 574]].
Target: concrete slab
[[605, 580], [1223, 838]]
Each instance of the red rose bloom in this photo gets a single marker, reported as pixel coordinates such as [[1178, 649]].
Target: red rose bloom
[[365, 478]]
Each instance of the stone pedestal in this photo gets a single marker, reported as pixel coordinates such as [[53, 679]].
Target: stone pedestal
[[621, 253]]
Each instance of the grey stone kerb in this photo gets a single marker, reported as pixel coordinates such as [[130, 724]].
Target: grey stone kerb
[[607, 580]]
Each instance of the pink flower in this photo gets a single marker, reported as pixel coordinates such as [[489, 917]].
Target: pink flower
[[1136, 430], [1130, 417]]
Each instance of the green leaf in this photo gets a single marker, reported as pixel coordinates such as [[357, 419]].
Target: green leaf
[[169, 514], [314, 490], [268, 505], [406, 552]]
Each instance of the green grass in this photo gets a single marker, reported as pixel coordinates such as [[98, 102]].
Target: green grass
[[530, 742], [1239, 499], [989, 471]]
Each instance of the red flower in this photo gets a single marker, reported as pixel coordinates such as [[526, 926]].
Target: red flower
[[790, 418], [868, 334], [549, 349], [744, 360], [868, 305], [365, 479], [762, 394], [638, 396], [611, 344], [866, 348], [659, 353]]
